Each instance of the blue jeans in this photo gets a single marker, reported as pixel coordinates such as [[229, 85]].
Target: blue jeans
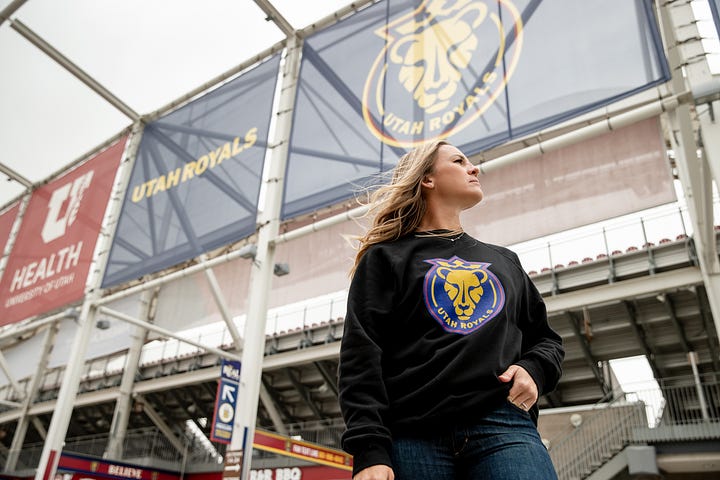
[[504, 445]]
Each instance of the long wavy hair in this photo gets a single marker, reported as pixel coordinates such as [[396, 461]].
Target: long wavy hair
[[398, 207]]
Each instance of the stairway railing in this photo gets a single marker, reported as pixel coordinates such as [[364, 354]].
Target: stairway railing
[[671, 412]]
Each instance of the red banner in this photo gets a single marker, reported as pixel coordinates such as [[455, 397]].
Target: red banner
[[305, 472], [91, 468], [7, 219], [50, 259], [312, 452]]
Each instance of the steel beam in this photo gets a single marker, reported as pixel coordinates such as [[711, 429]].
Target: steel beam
[[273, 15], [304, 394], [268, 401], [161, 424], [712, 339], [123, 404], [16, 331], [587, 352], [670, 308], [166, 333], [13, 175], [10, 9], [330, 380], [262, 268], [276, 399], [222, 306], [76, 71], [641, 338], [6, 370], [333, 18], [22, 423], [626, 289], [678, 25]]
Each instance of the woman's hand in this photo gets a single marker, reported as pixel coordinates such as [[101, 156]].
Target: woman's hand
[[376, 472], [524, 392]]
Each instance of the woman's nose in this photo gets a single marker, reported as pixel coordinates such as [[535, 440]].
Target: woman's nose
[[474, 170]]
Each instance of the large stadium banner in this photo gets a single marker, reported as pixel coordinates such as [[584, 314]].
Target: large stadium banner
[[475, 72], [49, 262], [7, 220], [196, 179]]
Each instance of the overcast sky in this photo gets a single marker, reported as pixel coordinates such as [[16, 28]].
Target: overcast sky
[[146, 52]]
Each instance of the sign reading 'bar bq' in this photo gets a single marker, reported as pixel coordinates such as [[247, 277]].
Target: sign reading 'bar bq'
[[196, 180], [49, 262], [475, 72]]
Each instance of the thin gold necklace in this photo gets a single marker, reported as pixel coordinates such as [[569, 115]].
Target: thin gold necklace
[[451, 235]]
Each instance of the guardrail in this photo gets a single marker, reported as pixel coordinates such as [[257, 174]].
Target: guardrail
[[677, 410]]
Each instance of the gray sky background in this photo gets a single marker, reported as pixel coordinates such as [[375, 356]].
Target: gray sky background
[[146, 52]]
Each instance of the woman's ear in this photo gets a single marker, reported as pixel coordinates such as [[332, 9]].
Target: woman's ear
[[427, 182]]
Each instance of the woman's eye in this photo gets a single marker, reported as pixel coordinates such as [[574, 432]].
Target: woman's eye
[[459, 160]]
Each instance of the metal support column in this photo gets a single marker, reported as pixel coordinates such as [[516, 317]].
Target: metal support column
[[123, 404], [23, 420], [52, 448], [685, 56], [587, 353], [692, 358], [222, 305], [262, 269], [162, 425], [66, 396]]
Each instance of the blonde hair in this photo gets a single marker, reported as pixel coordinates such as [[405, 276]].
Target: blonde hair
[[398, 207]]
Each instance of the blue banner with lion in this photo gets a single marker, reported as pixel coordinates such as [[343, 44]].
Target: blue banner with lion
[[475, 72]]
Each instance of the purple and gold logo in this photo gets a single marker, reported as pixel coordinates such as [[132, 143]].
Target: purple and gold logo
[[442, 67], [462, 296]]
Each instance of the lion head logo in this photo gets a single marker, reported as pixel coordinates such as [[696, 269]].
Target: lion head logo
[[442, 66], [462, 296]]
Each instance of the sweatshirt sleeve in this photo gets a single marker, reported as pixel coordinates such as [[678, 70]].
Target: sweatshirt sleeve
[[363, 398], [542, 350]]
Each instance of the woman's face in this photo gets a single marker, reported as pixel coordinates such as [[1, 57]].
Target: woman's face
[[453, 180]]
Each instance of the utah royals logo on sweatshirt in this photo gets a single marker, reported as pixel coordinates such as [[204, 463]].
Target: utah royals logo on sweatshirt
[[462, 296]]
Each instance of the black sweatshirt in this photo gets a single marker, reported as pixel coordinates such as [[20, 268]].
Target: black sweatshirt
[[431, 323]]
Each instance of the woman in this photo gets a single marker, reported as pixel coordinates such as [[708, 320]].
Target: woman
[[446, 346]]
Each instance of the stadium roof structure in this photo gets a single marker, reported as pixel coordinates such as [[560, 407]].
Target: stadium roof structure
[[77, 73], [652, 301]]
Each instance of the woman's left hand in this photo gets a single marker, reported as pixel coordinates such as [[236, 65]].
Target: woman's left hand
[[524, 392]]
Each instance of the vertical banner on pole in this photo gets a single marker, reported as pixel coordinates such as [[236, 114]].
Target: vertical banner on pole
[[225, 402], [50, 260]]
